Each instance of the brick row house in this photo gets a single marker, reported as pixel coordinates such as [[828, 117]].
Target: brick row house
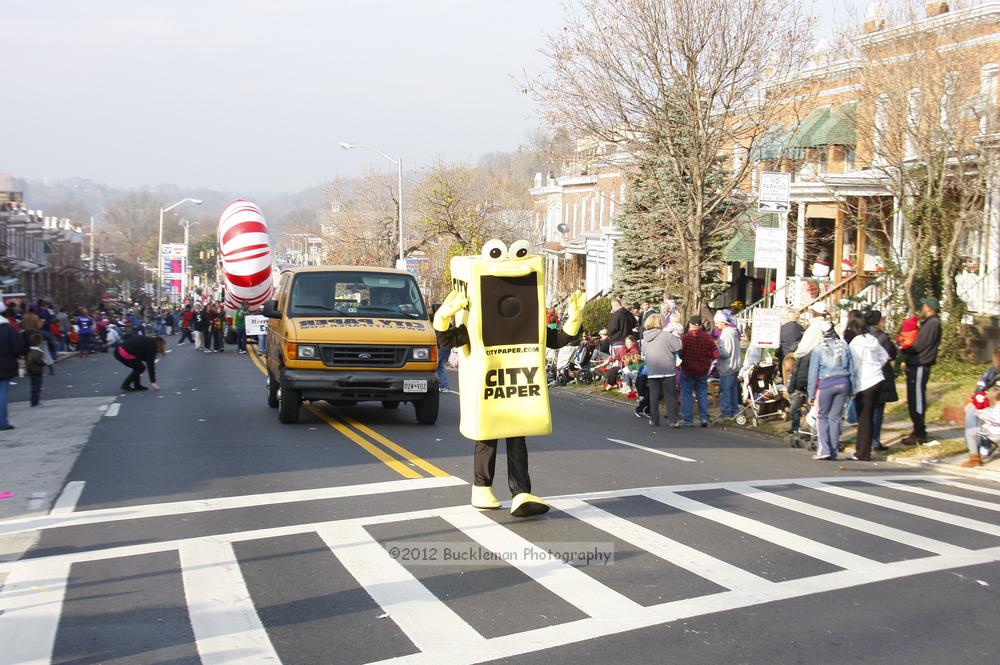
[[40, 256], [843, 206]]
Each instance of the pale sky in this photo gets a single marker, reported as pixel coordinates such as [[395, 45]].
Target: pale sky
[[256, 94]]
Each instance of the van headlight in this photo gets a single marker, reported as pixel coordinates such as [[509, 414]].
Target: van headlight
[[421, 353], [306, 352]]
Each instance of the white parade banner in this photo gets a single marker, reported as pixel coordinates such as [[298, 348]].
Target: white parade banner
[[770, 248], [256, 324], [766, 327]]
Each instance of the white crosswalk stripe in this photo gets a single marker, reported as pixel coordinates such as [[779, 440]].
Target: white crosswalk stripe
[[227, 627]]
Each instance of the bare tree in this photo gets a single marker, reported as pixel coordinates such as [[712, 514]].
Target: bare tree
[[129, 226], [919, 111], [681, 83], [362, 228]]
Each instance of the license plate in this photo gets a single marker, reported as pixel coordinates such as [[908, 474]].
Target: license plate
[[414, 385]]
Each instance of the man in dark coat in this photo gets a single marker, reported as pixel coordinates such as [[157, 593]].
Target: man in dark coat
[[888, 393], [11, 348], [621, 323], [919, 359]]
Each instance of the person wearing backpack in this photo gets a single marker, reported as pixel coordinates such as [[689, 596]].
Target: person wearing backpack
[[34, 366]]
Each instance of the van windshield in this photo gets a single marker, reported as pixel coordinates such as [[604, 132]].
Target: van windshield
[[356, 294]]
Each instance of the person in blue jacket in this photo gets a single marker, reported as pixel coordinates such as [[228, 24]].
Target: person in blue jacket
[[831, 373]]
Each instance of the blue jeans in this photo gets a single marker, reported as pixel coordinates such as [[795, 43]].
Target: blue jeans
[[83, 342], [4, 389], [442, 363], [972, 424], [690, 388], [729, 395], [831, 412]]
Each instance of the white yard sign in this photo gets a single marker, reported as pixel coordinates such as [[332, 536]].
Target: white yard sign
[[770, 248], [256, 324], [773, 192], [766, 330]]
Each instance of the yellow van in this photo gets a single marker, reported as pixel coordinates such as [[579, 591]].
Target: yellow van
[[349, 334]]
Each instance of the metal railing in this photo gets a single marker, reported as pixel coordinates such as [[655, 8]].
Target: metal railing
[[976, 294]]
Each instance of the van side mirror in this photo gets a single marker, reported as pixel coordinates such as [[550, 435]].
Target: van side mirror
[[271, 309]]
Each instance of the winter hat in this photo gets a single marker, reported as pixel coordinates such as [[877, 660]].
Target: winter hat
[[819, 307], [720, 317], [909, 324], [695, 320]]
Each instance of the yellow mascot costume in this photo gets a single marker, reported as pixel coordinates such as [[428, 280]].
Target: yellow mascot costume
[[495, 316]]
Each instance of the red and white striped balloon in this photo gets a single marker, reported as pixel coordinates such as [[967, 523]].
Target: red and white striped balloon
[[246, 254]]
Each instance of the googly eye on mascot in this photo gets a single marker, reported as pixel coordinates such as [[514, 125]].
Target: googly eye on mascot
[[495, 316]]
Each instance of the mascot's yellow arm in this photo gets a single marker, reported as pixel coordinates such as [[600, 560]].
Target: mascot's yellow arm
[[451, 306], [574, 313]]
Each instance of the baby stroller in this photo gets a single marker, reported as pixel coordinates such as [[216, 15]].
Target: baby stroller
[[763, 398], [558, 369], [577, 369]]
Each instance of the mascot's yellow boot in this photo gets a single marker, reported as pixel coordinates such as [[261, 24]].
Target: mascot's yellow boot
[[525, 505], [482, 497]]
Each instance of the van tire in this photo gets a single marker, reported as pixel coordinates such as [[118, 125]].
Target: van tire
[[289, 401], [272, 392], [427, 408], [390, 404]]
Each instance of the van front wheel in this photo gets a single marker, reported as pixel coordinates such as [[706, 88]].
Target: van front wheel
[[289, 401], [427, 408], [272, 392]]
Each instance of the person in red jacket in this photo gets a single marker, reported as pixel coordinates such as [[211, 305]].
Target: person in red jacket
[[698, 350]]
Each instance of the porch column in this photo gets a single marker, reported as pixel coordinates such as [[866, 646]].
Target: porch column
[[800, 240], [838, 244], [781, 274], [991, 245], [862, 235]]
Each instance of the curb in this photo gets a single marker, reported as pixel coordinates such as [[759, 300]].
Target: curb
[[953, 469]]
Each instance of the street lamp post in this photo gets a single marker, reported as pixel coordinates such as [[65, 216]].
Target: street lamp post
[[399, 175], [159, 249]]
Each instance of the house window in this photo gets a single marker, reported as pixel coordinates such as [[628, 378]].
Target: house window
[[988, 89], [850, 157], [611, 211], [881, 126], [912, 123], [822, 160], [593, 209], [739, 158], [621, 194], [601, 206]]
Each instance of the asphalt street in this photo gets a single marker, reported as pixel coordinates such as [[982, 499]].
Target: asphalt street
[[194, 528]]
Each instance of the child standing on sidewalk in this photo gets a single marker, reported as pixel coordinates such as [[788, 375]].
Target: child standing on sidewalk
[[35, 367]]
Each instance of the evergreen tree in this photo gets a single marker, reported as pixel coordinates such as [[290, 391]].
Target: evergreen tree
[[649, 260]]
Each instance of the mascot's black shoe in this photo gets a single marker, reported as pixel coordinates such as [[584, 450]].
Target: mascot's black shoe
[[526, 505], [482, 497]]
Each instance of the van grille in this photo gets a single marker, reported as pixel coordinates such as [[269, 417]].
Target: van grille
[[363, 356]]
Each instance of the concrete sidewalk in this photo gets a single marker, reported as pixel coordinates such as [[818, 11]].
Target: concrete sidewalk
[[39, 454]]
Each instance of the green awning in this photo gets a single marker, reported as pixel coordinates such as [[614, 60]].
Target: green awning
[[839, 128], [739, 248], [772, 144], [804, 135]]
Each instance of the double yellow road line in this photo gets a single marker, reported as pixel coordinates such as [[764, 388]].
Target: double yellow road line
[[380, 447]]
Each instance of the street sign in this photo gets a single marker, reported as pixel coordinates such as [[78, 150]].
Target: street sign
[[256, 324], [765, 329], [774, 188], [772, 206], [770, 248]]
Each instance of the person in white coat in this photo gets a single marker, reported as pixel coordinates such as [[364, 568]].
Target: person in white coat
[[869, 357]]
